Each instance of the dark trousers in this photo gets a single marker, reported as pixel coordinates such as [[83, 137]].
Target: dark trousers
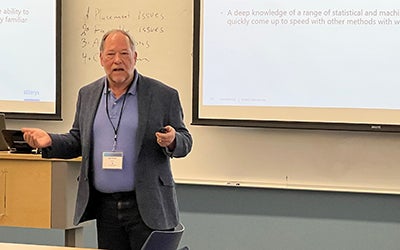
[[119, 224]]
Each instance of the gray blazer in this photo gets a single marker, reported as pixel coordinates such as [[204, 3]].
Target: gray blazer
[[159, 105]]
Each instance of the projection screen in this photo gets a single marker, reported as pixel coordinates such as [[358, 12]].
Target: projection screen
[[297, 64], [30, 52]]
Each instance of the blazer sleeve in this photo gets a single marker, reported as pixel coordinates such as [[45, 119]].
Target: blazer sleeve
[[183, 138]]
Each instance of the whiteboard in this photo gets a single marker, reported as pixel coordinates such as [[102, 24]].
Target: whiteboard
[[238, 157]]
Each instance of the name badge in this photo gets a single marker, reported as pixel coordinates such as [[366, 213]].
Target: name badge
[[112, 160]]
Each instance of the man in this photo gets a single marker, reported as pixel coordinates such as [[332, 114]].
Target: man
[[126, 128]]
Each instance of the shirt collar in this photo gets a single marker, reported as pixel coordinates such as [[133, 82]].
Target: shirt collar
[[133, 88]]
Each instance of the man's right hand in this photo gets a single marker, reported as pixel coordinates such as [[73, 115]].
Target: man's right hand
[[36, 138]]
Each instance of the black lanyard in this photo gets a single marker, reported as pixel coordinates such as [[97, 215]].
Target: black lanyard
[[120, 115]]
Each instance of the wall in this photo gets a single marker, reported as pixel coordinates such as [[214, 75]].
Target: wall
[[219, 217], [275, 219], [252, 218]]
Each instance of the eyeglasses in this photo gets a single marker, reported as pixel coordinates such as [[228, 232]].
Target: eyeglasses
[[111, 55]]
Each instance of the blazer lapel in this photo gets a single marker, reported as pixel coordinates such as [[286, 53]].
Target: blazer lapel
[[144, 103], [93, 102]]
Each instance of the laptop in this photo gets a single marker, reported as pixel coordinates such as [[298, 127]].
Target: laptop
[[3, 143], [16, 142]]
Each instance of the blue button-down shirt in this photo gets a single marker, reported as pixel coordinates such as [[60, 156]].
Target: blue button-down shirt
[[116, 180]]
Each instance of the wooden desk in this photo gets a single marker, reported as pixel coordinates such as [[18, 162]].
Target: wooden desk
[[38, 193], [12, 246]]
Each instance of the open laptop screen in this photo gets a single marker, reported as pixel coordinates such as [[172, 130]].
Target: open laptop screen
[[3, 144]]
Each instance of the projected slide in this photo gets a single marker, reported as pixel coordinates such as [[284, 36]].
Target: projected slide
[[28, 53], [329, 61]]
